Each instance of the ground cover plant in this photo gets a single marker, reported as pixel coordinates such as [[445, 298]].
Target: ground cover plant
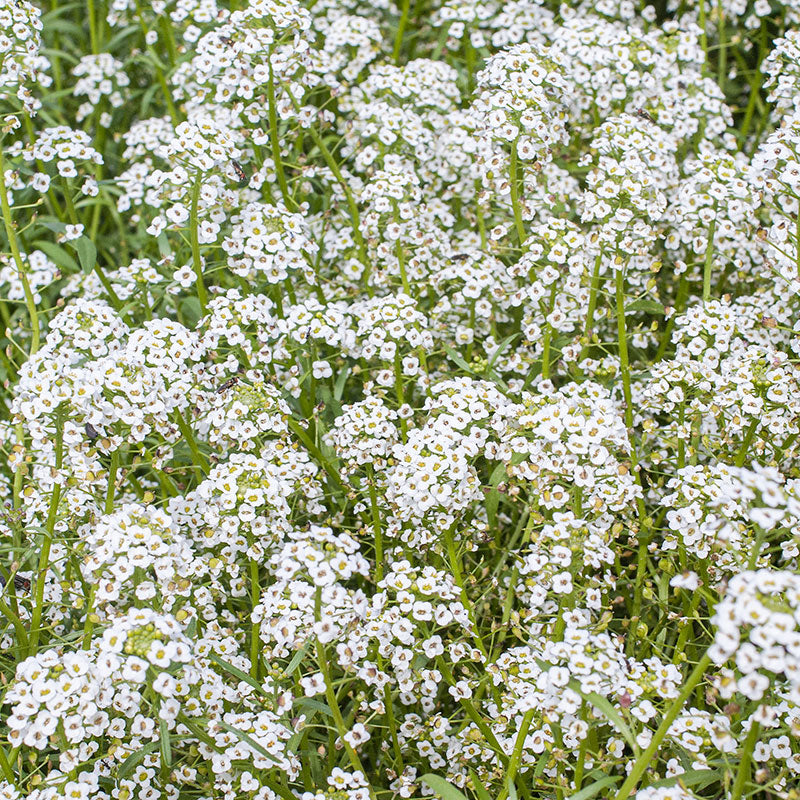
[[400, 399]]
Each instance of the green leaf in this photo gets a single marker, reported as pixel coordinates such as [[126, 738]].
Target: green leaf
[[237, 673], [248, 739], [341, 378], [443, 788], [501, 348], [493, 498], [480, 789], [691, 777], [53, 225], [166, 746], [454, 356], [58, 255], [191, 310], [164, 247], [650, 306], [87, 253], [594, 788], [131, 762], [314, 705], [603, 705], [297, 658]]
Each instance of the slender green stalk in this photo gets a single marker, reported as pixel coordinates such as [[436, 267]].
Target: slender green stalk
[[197, 262], [11, 235], [401, 262], [333, 703], [93, 36], [112, 482], [707, 262], [741, 456], [458, 576], [722, 56], [743, 773], [255, 631], [513, 178], [200, 461], [47, 541], [548, 336], [648, 756], [755, 86], [797, 241], [89, 622], [351, 206], [19, 627], [377, 527], [160, 77], [473, 712], [701, 13], [622, 341], [275, 143], [516, 756], [401, 27], [594, 289]]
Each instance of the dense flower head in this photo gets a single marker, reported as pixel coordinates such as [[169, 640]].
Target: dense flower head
[[756, 628], [20, 44], [522, 102]]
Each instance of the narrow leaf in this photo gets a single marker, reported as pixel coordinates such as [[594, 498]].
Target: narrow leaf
[[493, 498], [603, 705], [594, 788], [132, 761], [87, 253], [443, 788], [650, 306], [58, 255], [237, 673], [166, 745]]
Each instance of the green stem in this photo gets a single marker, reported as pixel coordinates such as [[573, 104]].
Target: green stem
[[112, 482], [255, 632], [458, 577], [701, 12], [743, 773], [516, 756], [333, 703], [755, 86], [741, 456], [401, 26], [11, 234], [707, 262], [274, 141], [473, 713], [622, 340], [647, 758], [377, 528], [90, 12], [548, 336], [200, 462], [594, 290], [723, 55], [197, 262], [513, 178], [47, 540], [355, 219], [160, 77]]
